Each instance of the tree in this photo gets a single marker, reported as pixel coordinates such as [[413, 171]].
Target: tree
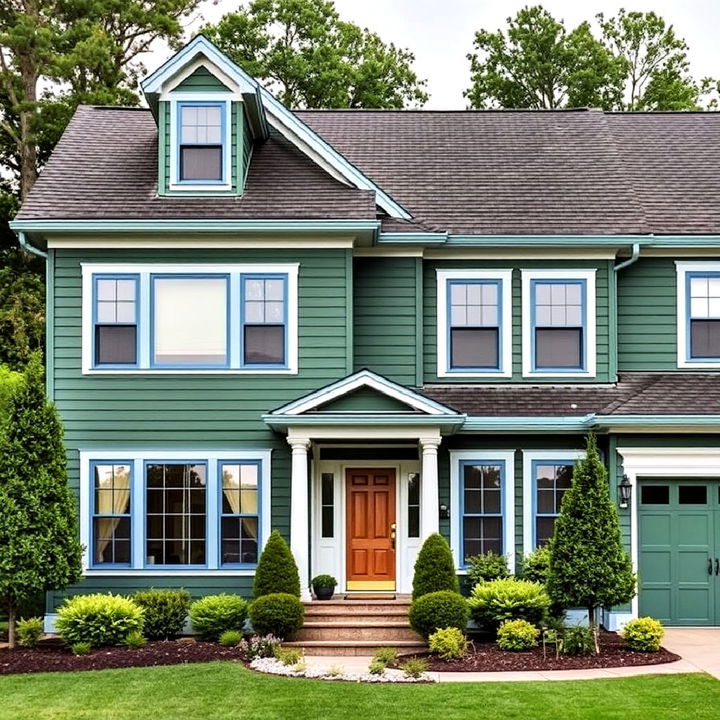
[[276, 571], [39, 546], [307, 56], [434, 568], [589, 566]]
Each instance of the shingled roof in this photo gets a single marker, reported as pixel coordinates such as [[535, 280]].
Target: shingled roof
[[573, 172]]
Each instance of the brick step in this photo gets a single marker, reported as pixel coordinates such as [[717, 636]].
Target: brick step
[[356, 608], [356, 617], [356, 647], [379, 632]]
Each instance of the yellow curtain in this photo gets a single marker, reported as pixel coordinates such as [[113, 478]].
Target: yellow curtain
[[115, 500], [240, 488]]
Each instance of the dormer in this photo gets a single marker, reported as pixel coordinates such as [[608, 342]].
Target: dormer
[[209, 117]]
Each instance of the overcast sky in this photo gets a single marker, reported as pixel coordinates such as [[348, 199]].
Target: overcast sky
[[440, 32]]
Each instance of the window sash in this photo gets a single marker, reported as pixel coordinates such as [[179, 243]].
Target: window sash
[[702, 298], [542, 518], [198, 135], [483, 544], [255, 321], [242, 517], [113, 313], [110, 514]]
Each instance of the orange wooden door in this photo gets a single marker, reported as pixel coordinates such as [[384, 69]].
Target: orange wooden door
[[370, 526]]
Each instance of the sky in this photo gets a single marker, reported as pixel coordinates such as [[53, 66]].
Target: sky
[[440, 32]]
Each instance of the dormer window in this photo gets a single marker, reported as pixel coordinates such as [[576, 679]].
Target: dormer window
[[201, 142]]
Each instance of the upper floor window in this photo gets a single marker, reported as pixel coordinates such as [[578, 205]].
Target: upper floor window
[[698, 329], [474, 323], [559, 323], [183, 319], [201, 142]]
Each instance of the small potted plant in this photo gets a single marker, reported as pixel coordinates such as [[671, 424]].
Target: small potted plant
[[323, 586]]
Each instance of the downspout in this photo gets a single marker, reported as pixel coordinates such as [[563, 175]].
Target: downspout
[[633, 258], [25, 245]]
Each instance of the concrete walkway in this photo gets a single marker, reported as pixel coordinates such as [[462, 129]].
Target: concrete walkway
[[700, 647]]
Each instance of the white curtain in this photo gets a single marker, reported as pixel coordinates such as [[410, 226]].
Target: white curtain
[[114, 500]]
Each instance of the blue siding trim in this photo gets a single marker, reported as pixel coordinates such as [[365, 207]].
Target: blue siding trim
[[224, 107], [115, 276]]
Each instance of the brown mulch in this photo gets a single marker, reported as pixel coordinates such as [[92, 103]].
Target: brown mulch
[[52, 656], [487, 657]]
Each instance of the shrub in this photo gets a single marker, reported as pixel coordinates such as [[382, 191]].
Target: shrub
[[577, 640], [99, 620], [434, 568], [230, 638], [135, 639], [279, 614], [376, 667], [643, 634], [29, 631], [81, 648], [165, 612], [259, 646], [536, 565], [386, 655], [288, 656], [211, 616], [323, 581], [276, 570], [486, 567], [437, 610], [449, 643], [517, 635], [414, 667], [509, 599]]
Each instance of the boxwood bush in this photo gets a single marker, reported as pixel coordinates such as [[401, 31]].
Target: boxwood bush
[[211, 616], [434, 568], [536, 565], [98, 620], [449, 643], [276, 571], [165, 612], [643, 634], [494, 602], [486, 567], [436, 610], [517, 635], [278, 614]]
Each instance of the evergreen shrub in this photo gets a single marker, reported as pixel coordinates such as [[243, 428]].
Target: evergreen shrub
[[278, 614], [276, 571], [165, 612], [516, 635], [437, 610], [212, 615], [449, 643], [494, 602], [434, 568], [643, 634], [486, 567]]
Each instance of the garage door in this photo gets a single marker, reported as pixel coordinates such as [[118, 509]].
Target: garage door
[[679, 551]]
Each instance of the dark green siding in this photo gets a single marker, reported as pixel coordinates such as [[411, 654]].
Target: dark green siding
[[366, 400], [202, 80]]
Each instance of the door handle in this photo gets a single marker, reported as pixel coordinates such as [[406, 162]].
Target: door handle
[[393, 534], [709, 566]]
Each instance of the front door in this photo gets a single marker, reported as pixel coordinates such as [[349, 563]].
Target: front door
[[371, 529], [679, 563]]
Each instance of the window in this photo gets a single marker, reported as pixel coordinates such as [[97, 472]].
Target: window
[[111, 513], [559, 323], [115, 320], [552, 480], [201, 135], [698, 325], [413, 522], [190, 318], [327, 505], [240, 513], [474, 323]]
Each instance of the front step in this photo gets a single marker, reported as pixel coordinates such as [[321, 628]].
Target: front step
[[381, 632], [355, 647]]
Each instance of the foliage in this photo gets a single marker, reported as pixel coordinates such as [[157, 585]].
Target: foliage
[[517, 635], [100, 620], [30, 631], [323, 581], [508, 599], [303, 52], [588, 565], [279, 614], [276, 571], [288, 656], [81, 648], [536, 565], [643, 634], [39, 545], [10, 382], [165, 612], [414, 667], [486, 567], [437, 610], [259, 646], [386, 655], [231, 638], [376, 667], [212, 615], [577, 640], [434, 568], [449, 643], [135, 639]]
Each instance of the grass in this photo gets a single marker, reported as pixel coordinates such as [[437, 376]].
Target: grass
[[220, 691]]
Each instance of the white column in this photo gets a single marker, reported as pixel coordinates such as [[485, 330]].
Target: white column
[[430, 500], [299, 530]]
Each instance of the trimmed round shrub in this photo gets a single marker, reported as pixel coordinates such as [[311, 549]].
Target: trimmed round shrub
[[536, 565], [276, 570], [165, 612], [517, 635], [643, 634], [449, 643], [486, 567], [29, 631], [211, 616], [278, 614], [434, 568], [442, 609], [98, 620], [494, 602]]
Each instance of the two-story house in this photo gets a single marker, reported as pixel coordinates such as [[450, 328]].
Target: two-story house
[[362, 327]]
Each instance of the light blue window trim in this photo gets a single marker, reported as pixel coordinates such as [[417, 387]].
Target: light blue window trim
[[228, 327], [535, 512], [224, 108], [95, 514], [690, 315], [498, 325], [135, 278], [534, 283], [219, 507], [244, 322]]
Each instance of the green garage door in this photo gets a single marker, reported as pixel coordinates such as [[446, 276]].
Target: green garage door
[[679, 543]]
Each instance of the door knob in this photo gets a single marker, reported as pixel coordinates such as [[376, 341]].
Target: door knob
[[709, 566], [717, 566], [393, 534]]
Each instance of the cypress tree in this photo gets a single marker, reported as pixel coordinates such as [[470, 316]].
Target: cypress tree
[[589, 566], [434, 568], [276, 571], [39, 545]]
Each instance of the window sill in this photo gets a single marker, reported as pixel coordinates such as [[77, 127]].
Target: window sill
[[147, 572], [189, 371], [698, 364], [202, 187], [558, 373], [474, 374]]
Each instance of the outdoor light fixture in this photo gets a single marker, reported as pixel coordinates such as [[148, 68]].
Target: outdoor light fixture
[[625, 491], [444, 512]]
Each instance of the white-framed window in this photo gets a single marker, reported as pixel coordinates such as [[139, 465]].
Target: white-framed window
[[174, 511], [698, 314], [482, 502], [559, 323], [183, 318], [474, 323]]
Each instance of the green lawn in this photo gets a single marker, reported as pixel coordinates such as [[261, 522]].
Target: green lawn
[[219, 691]]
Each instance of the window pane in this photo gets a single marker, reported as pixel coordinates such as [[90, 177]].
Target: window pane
[[546, 501], [705, 338], [327, 500], [264, 344], [414, 505], [655, 494], [201, 162], [558, 348], [544, 527], [481, 535], [106, 312], [190, 321], [115, 344], [474, 348], [692, 494]]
